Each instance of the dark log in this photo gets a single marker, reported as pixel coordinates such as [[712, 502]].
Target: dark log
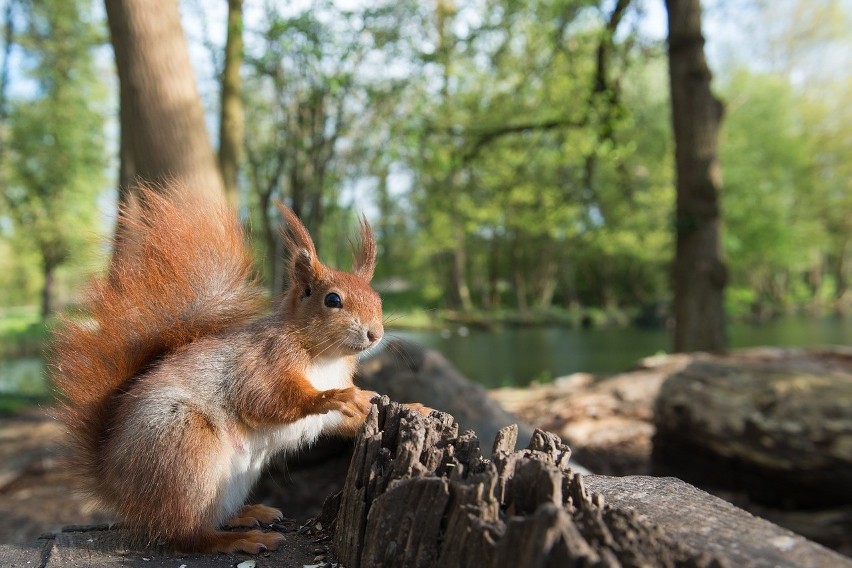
[[778, 427]]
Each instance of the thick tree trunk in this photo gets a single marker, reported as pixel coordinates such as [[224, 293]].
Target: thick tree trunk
[[699, 273], [162, 119], [232, 123]]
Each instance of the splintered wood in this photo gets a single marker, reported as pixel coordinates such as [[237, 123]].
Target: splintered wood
[[418, 493]]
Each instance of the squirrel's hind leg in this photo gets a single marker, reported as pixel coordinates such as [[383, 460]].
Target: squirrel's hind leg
[[252, 542], [254, 515]]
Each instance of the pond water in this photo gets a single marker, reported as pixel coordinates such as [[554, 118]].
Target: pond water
[[520, 356]]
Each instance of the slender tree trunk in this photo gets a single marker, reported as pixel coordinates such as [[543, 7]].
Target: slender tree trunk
[[699, 273], [460, 269], [841, 283], [162, 119], [48, 291], [519, 278], [493, 291], [548, 284], [231, 120]]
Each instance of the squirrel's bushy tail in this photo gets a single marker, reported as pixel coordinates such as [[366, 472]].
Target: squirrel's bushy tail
[[184, 272]]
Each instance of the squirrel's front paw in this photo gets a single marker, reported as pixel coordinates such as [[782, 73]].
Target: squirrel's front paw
[[417, 407], [350, 401]]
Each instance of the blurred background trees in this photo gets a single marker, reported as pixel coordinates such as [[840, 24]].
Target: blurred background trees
[[54, 151], [516, 157]]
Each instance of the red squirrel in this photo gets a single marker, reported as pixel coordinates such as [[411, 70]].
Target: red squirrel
[[176, 394]]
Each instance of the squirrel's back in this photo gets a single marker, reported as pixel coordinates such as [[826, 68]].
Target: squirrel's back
[[184, 272]]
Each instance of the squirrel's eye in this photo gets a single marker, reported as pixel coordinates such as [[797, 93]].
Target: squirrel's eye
[[333, 301]]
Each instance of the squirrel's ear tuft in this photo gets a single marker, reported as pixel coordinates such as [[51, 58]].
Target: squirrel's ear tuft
[[295, 235], [304, 269], [300, 247], [365, 258]]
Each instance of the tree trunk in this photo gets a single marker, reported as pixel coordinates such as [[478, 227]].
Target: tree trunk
[[519, 276], [231, 121], [699, 273], [549, 274], [460, 270], [841, 283], [492, 293], [160, 106], [47, 292]]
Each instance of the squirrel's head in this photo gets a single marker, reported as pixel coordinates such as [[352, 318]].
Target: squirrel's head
[[337, 313]]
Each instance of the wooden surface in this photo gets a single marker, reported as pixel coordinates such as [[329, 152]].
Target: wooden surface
[[101, 547], [703, 523]]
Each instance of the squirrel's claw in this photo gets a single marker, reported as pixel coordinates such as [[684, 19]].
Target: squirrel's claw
[[255, 515], [350, 401]]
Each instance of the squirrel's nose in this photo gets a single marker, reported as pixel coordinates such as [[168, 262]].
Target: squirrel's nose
[[374, 333]]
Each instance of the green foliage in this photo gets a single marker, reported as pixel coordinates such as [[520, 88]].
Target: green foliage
[[785, 204], [504, 173], [54, 167]]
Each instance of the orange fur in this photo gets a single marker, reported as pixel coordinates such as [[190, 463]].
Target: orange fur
[[174, 394], [155, 301]]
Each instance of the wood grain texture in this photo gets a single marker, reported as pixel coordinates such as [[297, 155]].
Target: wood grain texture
[[703, 523]]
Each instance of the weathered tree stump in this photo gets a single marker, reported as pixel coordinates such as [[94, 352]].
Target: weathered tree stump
[[778, 426], [418, 493]]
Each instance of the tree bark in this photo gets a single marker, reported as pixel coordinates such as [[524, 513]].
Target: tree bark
[[699, 273], [162, 121], [232, 123]]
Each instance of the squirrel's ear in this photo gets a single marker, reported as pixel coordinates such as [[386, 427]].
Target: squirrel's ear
[[305, 264], [303, 269], [365, 258]]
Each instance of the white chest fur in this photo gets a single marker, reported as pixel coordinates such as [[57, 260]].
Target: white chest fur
[[327, 374], [247, 461]]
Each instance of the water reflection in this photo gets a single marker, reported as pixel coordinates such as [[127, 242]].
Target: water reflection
[[520, 356]]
